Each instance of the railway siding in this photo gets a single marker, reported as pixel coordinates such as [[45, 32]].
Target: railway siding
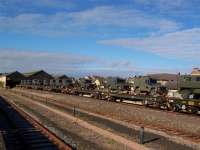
[[125, 129], [85, 137], [21, 131], [136, 114]]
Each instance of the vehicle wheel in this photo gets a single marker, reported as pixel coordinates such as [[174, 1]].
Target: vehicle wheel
[[169, 107], [137, 90], [153, 91], [185, 93], [192, 110], [111, 99], [145, 103], [176, 108]]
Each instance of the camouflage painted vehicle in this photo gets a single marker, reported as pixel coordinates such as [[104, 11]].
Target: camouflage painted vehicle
[[148, 86], [185, 105], [86, 84], [189, 86], [115, 84]]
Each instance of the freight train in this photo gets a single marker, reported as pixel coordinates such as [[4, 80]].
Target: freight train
[[189, 86], [142, 90]]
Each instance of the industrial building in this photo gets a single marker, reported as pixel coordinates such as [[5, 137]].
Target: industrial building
[[11, 79], [37, 78]]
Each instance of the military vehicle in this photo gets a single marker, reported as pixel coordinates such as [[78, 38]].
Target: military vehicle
[[86, 83], [189, 86], [146, 91], [115, 83], [147, 85]]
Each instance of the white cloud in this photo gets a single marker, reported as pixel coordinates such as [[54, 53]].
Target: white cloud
[[163, 4], [35, 24], [11, 59], [55, 4], [179, 9], [63, 23], [71, 64], [181, 44], [116, 16]]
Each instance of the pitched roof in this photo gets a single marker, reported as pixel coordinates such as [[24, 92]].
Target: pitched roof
[[164, 76], [42, 75], [27, 74], [195, 71], [61, 77], [14, 75], [9, 73]]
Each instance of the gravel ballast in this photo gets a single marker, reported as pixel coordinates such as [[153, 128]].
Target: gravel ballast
[[83, 138], [152, 140], [128, 113]]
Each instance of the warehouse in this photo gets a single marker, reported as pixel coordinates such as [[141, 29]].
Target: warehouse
[[10, 79], [37, 78]]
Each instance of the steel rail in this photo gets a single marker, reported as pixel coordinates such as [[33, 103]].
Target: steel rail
[[61, 144], [168, 130]]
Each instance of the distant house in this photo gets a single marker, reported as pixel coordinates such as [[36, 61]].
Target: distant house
[[37, 78], [59, 81], [11, 79], [195, 72], [167, 80]]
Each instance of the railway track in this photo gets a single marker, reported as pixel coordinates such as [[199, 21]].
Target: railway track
[[170, 131], [135, 103], [22, 132], [160, 109], [129, 102]]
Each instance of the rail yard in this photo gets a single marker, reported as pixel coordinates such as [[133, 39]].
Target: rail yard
[[99, 75], [178, 93], [115, 122], [20, 131], [142, 112]]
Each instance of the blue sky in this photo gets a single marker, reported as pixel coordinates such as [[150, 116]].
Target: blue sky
[[101, 37]]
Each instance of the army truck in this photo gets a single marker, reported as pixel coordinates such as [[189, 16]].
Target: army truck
[[115, 84], [86, 83], [189, 86], [148, 86]]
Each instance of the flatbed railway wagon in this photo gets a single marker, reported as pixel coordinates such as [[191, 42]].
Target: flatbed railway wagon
[[189, 86], [185, 105], [150, 101], [97, 94]]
